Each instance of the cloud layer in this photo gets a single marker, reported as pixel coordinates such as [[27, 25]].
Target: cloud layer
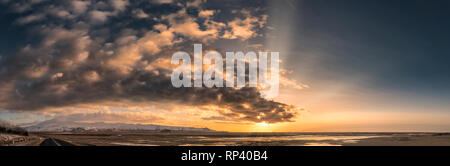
[[91, 52]]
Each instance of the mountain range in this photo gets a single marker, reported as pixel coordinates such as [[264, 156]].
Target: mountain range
[[65, 126]]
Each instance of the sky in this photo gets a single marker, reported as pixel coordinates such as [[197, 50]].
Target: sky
[[373, 65]]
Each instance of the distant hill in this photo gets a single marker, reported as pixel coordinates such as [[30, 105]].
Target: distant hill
[[12, 129], [64, 126]]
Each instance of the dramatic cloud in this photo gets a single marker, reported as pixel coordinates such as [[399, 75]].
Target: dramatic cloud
[[163, 1], [78, 6], [93, 52], [31, 18], [244, 28]]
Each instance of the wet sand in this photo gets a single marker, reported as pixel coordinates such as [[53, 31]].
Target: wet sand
[[430, 139], [249, 139]]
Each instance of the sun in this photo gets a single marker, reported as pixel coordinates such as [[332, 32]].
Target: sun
[[263, 124], [264, 127]]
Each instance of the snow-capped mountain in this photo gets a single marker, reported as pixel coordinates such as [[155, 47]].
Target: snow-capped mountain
[[59, 126]]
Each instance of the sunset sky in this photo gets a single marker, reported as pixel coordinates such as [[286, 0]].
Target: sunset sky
[[350, 65]]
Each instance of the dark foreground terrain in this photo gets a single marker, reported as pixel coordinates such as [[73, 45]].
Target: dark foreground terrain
[[240, 139]]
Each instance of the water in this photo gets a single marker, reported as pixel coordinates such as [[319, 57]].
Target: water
[[233, 139]]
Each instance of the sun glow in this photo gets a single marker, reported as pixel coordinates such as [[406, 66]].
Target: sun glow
[[264, 127], [263, 124]]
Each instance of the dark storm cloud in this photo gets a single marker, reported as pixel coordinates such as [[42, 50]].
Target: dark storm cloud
[[91, 52]]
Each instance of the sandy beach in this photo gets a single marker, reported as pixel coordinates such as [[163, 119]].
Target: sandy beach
[[248, 139], [429, 139]]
